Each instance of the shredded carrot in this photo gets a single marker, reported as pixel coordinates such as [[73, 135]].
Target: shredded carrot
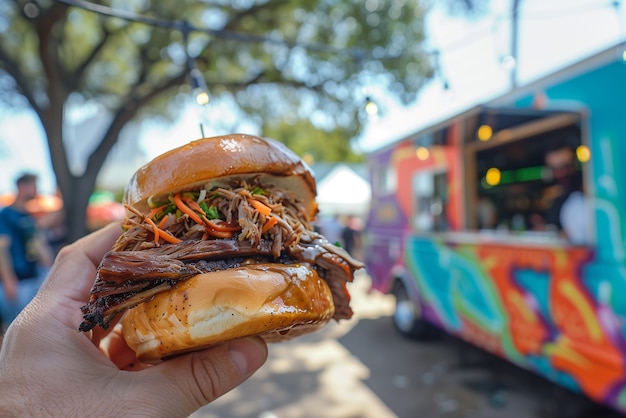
[[192, 204], [261, 207], [161, 233], [271, 221], [188, 206], [163, 221], [219, 234], [155, 230], [220, 226], [168, 237], [157, 210], [187, 210]]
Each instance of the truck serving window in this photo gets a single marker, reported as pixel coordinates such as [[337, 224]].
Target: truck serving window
[[524, 175]]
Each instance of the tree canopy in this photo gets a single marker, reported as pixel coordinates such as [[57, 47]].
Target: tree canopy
[[293, 67]]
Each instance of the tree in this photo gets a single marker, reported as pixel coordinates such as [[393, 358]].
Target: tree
[[277, 60]]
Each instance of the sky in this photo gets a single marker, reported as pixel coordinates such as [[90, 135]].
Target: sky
[[552, 34]]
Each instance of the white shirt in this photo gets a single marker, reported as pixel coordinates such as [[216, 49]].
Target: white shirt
[[575, 218]]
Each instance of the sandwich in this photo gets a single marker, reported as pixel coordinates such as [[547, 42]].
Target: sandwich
[[219, 244]]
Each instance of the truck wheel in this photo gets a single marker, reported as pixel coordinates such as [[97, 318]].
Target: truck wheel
[[407, 315]]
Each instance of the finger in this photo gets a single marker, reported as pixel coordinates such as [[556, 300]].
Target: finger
[[191, 381], [120, 354]]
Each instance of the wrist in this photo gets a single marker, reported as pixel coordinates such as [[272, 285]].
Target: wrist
[[18, 399]]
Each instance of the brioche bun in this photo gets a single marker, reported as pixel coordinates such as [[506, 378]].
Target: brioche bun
[[275, 301], [191, 166]]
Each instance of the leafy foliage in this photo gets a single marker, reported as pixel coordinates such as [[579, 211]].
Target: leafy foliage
[[311, 143]]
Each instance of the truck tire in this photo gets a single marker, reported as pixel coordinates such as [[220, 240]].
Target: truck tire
[[407, 315]]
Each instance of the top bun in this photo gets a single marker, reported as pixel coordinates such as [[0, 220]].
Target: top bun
[[193, 165]]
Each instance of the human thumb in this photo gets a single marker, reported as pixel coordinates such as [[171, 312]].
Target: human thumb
[[180, 386]]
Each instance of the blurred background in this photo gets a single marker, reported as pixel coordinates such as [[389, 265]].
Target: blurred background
[[352, 77], [90, 91]]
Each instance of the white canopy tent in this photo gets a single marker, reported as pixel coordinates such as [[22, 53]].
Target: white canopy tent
[[343, 192]]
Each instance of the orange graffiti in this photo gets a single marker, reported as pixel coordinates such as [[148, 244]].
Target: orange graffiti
[[582, 348], [528, 331], [598, 363], [596, 368]]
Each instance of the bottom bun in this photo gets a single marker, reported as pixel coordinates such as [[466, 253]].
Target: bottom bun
[[275, 301]]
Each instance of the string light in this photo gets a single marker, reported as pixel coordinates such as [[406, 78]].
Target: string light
[[422, 153], [355, 53], [200, 90], [508, 62], [185, 26], [493, 176], [371, 108], [583, 153], [484, 133], [198, 83]]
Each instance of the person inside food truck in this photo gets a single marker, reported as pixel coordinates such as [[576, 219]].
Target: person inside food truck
[[567, 212]]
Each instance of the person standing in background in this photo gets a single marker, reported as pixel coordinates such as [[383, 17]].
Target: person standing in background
[[24, 253], [331, 227], [53, 225], [351, 236]]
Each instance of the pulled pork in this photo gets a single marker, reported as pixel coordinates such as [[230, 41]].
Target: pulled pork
[[212, 230]]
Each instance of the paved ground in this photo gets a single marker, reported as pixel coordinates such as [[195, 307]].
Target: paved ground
[[363, 369]]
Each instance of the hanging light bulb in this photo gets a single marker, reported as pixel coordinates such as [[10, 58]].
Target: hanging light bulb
[[508, 62], [371, 108], [200, 89], [202, 97]]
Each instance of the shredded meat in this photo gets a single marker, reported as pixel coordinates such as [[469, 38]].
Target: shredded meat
[[137, 268]]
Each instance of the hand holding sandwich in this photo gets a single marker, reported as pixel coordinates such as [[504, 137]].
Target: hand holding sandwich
[[218, 244], [47, 368]]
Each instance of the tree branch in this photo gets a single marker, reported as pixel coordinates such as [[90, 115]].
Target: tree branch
[[261, 77], [48, 51], [51, 116], [125, 113], [22, 84], [237, 17], [79, 73]]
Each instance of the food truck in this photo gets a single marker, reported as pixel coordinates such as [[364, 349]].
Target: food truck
[[454, 228]]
